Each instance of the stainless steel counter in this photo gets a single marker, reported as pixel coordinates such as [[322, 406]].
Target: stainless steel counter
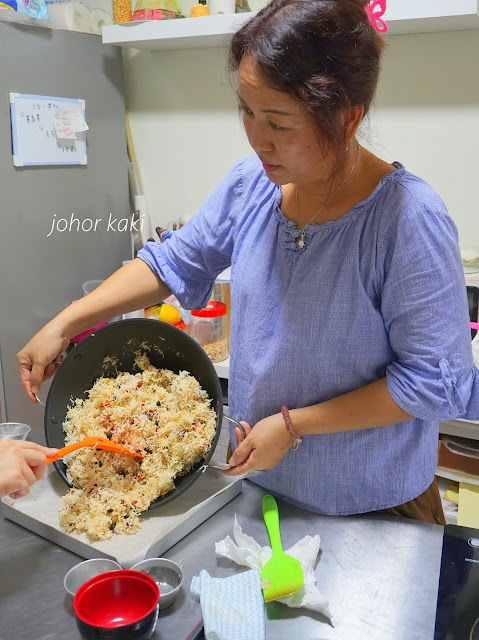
[[380, 575]]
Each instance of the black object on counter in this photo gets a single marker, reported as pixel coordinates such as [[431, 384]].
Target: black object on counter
[[457, 616], [112, 349]]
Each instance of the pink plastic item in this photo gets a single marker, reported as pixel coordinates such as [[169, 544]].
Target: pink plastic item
[[375, 10], [152, 14], [84, 334], [474, 325]]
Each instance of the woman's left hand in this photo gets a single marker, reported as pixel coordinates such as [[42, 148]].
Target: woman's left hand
[[263, 448]]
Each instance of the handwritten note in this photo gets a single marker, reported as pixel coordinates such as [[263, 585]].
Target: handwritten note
[[68, 123]]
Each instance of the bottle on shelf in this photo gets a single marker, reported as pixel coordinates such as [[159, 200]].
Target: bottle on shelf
[[200, 9]]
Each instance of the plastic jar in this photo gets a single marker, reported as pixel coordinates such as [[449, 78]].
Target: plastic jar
[[221, 293], [90, 285], [121, 11], [208, 329]]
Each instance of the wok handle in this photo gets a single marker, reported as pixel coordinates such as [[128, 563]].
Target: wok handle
[[240, 426]]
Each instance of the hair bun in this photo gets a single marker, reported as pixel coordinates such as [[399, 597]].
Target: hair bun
[[362, 3]]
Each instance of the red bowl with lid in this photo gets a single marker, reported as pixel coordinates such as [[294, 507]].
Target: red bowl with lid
[[118, 605]]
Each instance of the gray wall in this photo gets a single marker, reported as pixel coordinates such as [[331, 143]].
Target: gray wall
[[40, 276]]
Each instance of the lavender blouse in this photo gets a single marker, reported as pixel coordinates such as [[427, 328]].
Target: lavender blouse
[[379, 292]]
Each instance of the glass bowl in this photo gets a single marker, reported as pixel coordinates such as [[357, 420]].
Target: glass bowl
[[14, 430]]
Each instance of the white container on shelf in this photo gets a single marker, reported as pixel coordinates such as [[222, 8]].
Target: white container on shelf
[[221, 6], [90, 285], [133, 314]]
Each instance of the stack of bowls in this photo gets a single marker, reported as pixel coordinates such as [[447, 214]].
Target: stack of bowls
[[111, 603], [118, 605]]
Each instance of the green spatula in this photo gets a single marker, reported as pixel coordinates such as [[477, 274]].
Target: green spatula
[[282, 575]]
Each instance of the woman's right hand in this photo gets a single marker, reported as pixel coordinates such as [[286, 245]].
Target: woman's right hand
[[37, 360]]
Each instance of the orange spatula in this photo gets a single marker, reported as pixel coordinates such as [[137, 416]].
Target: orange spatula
[[96, 443]]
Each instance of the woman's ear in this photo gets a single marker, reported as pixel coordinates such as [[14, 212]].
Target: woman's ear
[[352, 119]]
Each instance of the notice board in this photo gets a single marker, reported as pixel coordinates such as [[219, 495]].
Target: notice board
[[34, 138]]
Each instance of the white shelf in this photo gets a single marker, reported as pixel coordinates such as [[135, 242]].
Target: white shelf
[[222, 368], [187, 33], [460, 428], [458, 477], [402, 16], [426, 16]]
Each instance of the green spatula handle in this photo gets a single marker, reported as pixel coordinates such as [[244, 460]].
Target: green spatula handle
[[271, 519]]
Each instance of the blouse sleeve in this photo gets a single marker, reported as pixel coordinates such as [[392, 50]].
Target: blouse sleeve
[[424, 307], [189, 260]]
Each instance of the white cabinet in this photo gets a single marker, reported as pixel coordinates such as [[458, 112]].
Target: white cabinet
[[402, 16], [461, 428]]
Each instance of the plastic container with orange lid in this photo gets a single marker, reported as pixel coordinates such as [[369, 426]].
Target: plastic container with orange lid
[[208, 329]]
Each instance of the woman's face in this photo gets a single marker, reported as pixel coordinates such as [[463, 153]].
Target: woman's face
[[280, 131]]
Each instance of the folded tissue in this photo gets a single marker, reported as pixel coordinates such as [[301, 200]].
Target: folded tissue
[[247, 552], [232, 608]]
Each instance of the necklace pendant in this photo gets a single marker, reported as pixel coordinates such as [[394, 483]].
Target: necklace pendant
[[300, 241]]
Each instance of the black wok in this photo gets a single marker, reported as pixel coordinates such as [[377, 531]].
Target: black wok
[[166, 346]]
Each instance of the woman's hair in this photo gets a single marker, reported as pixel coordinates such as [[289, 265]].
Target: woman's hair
[[324, 53]]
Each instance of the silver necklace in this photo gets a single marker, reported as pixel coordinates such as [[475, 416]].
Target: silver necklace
[[300, 238]]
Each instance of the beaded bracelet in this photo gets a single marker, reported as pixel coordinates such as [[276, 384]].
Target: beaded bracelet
[[287, 418]]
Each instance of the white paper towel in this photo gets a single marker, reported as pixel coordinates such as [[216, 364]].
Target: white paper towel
[[44, 501], [77, 16], [99, 18], [85, 16], [247, 552]]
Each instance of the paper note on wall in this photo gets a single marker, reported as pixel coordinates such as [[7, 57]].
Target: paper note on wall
[[67, 123], [468, 510]]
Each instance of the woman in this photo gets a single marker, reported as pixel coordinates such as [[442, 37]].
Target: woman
[[348, 298], [21, 465]]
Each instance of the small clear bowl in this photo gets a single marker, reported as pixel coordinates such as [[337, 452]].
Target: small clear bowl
[[167, 574], [14, 430], [84, 571]]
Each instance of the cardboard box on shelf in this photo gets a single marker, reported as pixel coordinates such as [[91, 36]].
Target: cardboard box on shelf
[[461, 465]]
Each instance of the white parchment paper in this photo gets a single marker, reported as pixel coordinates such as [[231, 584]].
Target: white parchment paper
[[44, 501]]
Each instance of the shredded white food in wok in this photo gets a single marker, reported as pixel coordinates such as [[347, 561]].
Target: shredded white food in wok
[[164, 416]]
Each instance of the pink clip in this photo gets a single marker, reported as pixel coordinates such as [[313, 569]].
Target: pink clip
[[375, 10]]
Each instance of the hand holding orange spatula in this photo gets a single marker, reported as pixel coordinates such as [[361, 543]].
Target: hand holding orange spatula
[[96, 443], [282, 575]]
